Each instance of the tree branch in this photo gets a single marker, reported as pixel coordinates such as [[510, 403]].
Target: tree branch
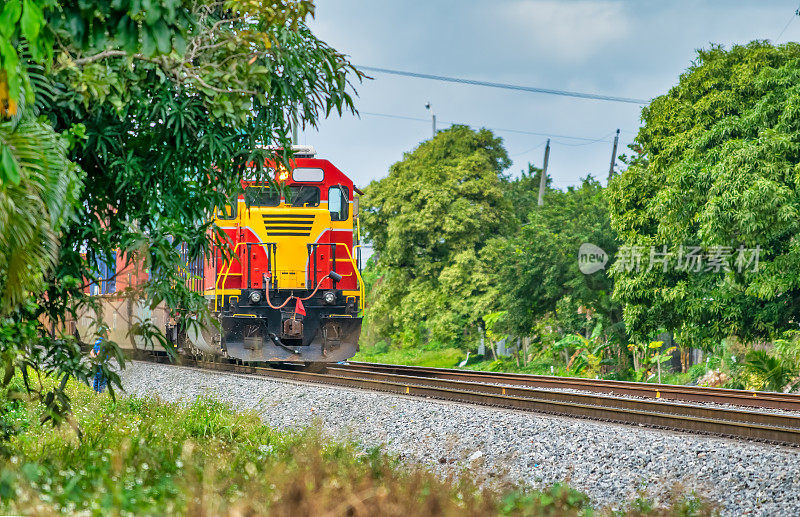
[[109, 54], [221, 90], [100, 56]]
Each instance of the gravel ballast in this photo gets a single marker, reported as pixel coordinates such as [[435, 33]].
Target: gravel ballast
[[609, 462]]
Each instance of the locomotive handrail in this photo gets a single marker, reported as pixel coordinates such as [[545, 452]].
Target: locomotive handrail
[[312, 255], [359, 281], [272, 250], [226, 271], [361, 287], [224, 275], [192, 279]]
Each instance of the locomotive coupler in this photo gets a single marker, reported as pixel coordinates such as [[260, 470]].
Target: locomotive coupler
[[293, 328]]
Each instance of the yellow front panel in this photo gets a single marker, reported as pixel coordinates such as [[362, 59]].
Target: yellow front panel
[[291, 229]]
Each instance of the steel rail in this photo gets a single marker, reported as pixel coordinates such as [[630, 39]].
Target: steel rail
[[746, 398], [734, 423]]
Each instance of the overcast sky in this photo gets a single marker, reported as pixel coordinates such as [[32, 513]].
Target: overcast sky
[[612, 47]]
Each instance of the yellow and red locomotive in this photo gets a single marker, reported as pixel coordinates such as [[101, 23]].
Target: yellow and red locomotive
[[292, 288]]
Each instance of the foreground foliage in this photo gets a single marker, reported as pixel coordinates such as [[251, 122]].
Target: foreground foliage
[[143, 456], [122, 126]]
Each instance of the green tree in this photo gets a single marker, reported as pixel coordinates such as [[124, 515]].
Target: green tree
[[34, 204], [540, 272], [716, 169], [436, 223], [522, 192], [585, 352], [165, 105]]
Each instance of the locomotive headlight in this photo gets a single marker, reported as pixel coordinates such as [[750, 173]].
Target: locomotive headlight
[[255, 297], [329, 297]]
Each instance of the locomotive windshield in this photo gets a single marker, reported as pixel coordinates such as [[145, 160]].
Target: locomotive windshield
[[262, 196], [303, 195]]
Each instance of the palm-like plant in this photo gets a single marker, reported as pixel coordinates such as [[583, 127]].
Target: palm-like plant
[[38, 189], [774, 372], [588, 351]]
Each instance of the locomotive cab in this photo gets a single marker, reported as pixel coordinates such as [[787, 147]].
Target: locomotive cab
[[291, 290]]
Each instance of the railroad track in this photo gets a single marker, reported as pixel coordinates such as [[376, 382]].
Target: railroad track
[[440, 384], [745, 398]]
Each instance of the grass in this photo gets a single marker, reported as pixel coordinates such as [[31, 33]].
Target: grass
[[143, 456], [450, 358], [437, 358]]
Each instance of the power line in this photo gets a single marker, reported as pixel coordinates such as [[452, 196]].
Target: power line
[[539, 134], [604, 138], [504, 86], [529, 150], [796, 13], [401, 117], [387, 115]]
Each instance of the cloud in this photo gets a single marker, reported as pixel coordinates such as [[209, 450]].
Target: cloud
[[573, 31]]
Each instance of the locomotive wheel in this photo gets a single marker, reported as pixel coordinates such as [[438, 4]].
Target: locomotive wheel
[[314, 367]]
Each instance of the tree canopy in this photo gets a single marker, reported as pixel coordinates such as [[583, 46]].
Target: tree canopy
[[433, 222], [717, 175], [540, 271]]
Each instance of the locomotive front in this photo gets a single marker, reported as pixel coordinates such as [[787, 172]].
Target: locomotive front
[[292, 289]]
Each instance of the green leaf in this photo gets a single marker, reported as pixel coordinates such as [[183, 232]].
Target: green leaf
[[179, 43], [152, 12], [149, 45], [9, 61], [32, 21], [9, 17], [128, 34], [9, 166], [163, 37]]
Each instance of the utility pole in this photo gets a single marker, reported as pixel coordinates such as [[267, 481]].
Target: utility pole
[[429, 107], [543, 178], [613, 157]]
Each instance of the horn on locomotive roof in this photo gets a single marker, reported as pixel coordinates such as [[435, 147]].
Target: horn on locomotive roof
[[299, 151]]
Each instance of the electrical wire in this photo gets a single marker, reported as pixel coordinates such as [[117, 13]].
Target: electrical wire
[[505, 130], [532, 89], [601, 139], [796, 13], [529, 150], [386, 115], [269, 302]]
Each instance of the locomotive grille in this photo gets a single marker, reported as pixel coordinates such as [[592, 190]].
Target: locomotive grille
[[288, 225]]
